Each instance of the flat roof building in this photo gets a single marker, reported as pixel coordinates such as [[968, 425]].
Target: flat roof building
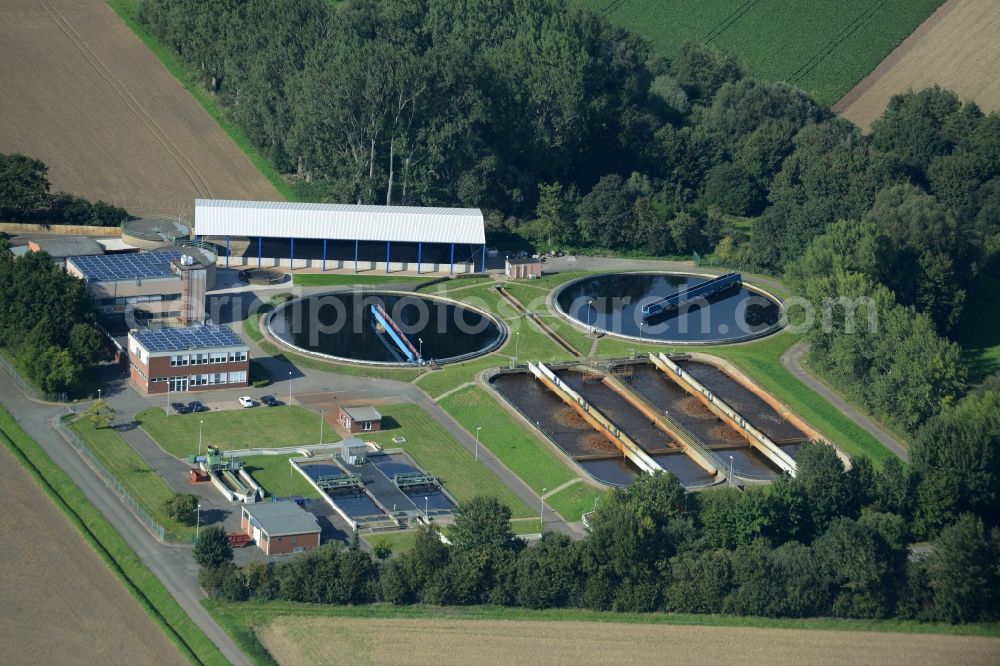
[[164, 284], [342, 236], [520, 269], [279, 528], [69, 246], [192, 358], [363, 418]]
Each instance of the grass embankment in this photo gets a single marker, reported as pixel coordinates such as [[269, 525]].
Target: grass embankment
[[276, 476], [109, 545], [259, 427], [191, 80], [301, 360], [440, 454], [342, 279], [978, 332], [520, 451], [145, 486], [400, 542]]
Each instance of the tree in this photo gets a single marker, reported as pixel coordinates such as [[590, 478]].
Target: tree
[[864, 570], [732, 188], [606, 213], [483, 523], [829, 492], [24, 185], [962, 573], [212, 548], [101, 414], [547, 574], [182, 507], [701, 70]]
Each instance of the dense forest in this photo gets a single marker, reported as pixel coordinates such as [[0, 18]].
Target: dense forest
[[826, 543], [25, 197], [47, 321]]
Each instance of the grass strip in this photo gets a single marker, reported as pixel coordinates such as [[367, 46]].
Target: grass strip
[[247, 616], [341, 279], [145, 486], [141, 583]]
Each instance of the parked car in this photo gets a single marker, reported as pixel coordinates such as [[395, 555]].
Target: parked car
[[269, 400], [179, 408], [246, 401], [195, 406]]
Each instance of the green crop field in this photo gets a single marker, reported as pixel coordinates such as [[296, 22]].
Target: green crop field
[[822, 47], [260, 427], [141, 482], [441, 455]]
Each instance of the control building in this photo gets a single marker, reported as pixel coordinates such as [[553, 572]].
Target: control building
[[188, 359]]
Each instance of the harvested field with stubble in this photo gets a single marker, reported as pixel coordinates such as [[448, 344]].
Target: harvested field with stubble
[[85, 96], [61, 604], [298, 641], [957, 48]]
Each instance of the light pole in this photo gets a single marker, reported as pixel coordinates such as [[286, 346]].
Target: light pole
[[478, 428], [197, 526], [640, 329], [420, 352], [541, 512], [517, 344], [98, 394], [596, 500], [730, 471], [321, 427], [289, 388], [590, 313], [168, 397], [425, 508], [200, 424]]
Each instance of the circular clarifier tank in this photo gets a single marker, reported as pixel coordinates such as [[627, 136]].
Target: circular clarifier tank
[[386, 328], [613, 302]]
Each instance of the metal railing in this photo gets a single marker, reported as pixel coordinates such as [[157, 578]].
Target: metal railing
[[114, 483]]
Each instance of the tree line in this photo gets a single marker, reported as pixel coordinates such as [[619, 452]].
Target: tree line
[[47, 322], [25, 197], [828, 542]]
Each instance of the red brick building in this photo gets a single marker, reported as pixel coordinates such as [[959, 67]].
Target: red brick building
[[360, 419], [279, 528], [193, 358]]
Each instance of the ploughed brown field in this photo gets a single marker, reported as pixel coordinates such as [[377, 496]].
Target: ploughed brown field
[[61, 604], [85, 96], [296, 641], [957, 48]]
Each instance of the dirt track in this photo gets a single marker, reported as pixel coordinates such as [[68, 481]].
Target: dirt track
[[61, 605], [956, 47], [85, 96], [296, 641]]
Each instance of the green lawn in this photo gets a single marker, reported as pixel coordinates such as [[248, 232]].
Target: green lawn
[[520, 450], [573, 502], [140, 582], [141, 481], [252, 323], [259, 427], [276, 476], [823, 48], [341, 279], [440, 454], [301, 360], [400, 541], [978, 332]]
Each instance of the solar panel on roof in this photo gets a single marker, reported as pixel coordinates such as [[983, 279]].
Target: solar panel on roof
[[126, 266], [194, 337]]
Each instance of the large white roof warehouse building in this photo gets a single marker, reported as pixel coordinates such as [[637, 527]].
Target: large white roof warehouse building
[[342, 236]]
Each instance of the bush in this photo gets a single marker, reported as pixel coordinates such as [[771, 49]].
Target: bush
[[212, 549], [182, 507], [259, 377]]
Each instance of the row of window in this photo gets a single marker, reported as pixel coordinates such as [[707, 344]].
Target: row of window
[[204, 358], [183, 382], [129, 300]]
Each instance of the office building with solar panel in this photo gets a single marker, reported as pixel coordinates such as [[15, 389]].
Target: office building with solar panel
[[342, 237], [191, 358], [167, 284]]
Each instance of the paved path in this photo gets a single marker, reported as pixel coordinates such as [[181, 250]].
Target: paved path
[[173, 565], [792, 360]]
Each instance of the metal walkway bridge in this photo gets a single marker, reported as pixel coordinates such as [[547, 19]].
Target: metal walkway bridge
[[705, 289], [393, 331]]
